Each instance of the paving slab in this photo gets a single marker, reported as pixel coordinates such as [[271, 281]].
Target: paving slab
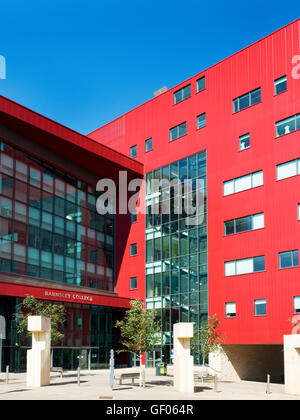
[[94, 385]]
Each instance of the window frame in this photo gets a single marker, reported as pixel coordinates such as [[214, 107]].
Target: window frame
[[229, 314], [130, 285], [146, 142], [182, 91], [134, 147], [256, 301], [278, 81], [131, 248], [293, 259], [249, 96], [197, 84], [178, 135], [203, 125]]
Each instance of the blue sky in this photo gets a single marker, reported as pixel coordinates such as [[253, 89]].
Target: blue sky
[[84, 63]]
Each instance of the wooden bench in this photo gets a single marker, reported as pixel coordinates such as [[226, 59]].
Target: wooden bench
[[132, 375], [57, 369]]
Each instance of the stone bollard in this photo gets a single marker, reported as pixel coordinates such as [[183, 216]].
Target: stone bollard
[[183, 361], [38, 358]]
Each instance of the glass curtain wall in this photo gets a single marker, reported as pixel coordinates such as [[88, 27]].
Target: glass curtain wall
[[49, 227], [176, 251]]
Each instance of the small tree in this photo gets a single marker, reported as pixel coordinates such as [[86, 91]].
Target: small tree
[[140, 332], [208, 337], [31, 307]]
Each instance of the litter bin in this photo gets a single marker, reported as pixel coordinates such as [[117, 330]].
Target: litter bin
[[161, 369]]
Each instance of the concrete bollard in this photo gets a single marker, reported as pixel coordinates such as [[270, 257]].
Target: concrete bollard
[[6, 374], [78, 376], [268, 391]]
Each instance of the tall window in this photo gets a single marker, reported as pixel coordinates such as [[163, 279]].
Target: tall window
[[247, 100], [230, 309], [201, 120], [260, 307], [133, 151], [297, 304], [280, 85], [178, 131], [245, 266], [200, 84], [243, 183], [244, 141], [288, 259], [133, 249], [133, 283], [288, 125], [182, 94], [148, 145]]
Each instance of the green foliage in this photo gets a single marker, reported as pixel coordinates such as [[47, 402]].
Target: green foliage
[[31, 307], [207, 337], [139, 330]]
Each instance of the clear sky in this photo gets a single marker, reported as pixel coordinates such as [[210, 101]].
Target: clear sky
[[84, 63]]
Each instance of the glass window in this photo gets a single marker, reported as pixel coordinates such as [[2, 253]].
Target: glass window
[[133, 151], [178, 131], [260, 307], [286, 170], [288, 259], [182, 94], [148, 145], [244, 141], [259, 263], [287, 125], [280, 85], [247, 100], [133, 283], [200, 84], [230, 309], [230, 269], [201, 120], [243, 183], [296, 304], [244, 266], [133, 249]]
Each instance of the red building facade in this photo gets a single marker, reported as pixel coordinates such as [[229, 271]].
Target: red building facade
[[247, 108]]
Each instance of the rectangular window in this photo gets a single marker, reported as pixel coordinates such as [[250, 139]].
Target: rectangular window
[[288, 259], [133, 249], [133, 151], [297, 304], [260, 307], [244, 266], [244, 141], [182, 94], [243, 183], [288, 125], [201, 120], [178, 131], [133, 217], [244, 224], [230, 309], [247, 100], [148, 145], [299, 211], [200, 84], [280, 85], [288, 169], [133, 283]]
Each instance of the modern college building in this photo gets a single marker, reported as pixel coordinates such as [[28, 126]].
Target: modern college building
[[234, 127]]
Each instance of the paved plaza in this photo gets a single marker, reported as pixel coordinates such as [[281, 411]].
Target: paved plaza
[[94, 385]]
